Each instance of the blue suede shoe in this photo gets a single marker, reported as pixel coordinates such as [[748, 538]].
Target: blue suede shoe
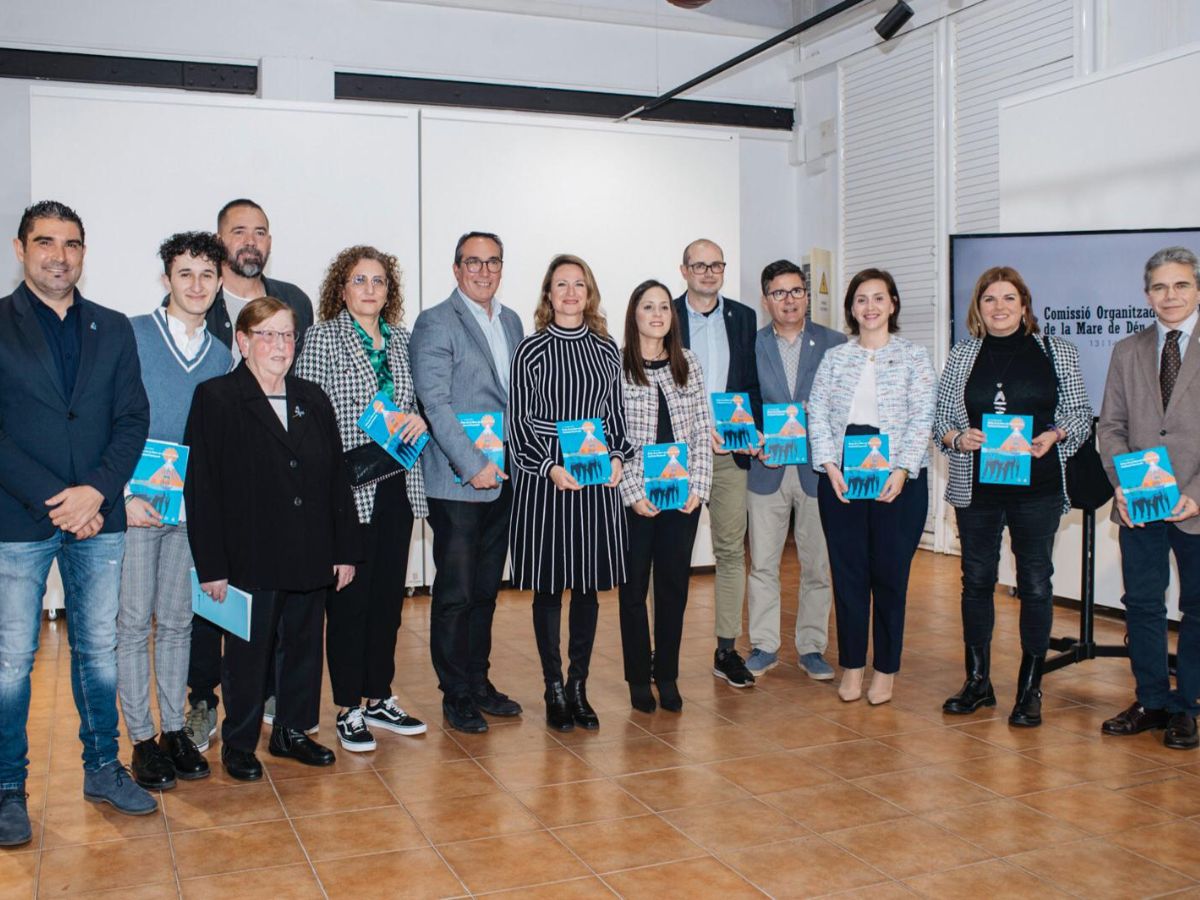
[[816, 667], [114, 785], [14, 819], [759, 661]]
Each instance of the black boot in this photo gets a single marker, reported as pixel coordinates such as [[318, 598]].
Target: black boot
[[1027, 711], [641, 699], [558, 712], [977, 689], [581, 710]]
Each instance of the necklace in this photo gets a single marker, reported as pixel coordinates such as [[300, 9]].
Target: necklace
[[1000, 401]]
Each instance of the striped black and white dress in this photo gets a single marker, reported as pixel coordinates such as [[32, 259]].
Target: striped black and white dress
[[564, 539]]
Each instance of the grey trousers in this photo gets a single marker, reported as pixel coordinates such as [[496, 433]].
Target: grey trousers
[[727, 521], [155, 581]]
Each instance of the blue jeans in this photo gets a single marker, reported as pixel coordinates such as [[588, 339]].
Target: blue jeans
[[91, 574], [1146, 568]]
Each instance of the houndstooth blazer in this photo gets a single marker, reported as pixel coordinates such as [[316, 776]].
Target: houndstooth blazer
[[1072, 413], [334, 358]]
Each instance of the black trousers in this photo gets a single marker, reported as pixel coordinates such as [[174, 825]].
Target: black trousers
[[664, 542], [362, 619], [470, 545], [295, 620], [547, 628], [204, 664], [871, 546]]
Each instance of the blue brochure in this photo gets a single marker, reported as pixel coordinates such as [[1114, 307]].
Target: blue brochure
[[1148, 483], [585, 450], [1006, 453], [865, 465], [384, 421], [734, 421], [158, 478], [785, 434], [665, 474], [485, 430], [233, 615]]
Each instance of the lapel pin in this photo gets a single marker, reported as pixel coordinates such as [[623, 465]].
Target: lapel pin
[[298, 412], [93, 326]]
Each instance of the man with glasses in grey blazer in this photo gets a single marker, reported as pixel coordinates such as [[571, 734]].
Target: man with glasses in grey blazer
[[461, 349]]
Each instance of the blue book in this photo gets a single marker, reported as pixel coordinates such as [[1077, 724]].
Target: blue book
[[1148, 483], [785, 434], [865, 465], [665, 474], [233, 614], [158, 478], [1006, 453], [585, 450], [734, 421], [384, 421], [485, 431]]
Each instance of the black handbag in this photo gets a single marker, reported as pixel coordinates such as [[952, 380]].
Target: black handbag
[[368, 463], [1088, 487]]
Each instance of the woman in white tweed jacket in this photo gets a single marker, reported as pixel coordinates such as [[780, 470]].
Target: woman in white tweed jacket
[[880, 383], [358, 348], [1005, 367], [665, 402]]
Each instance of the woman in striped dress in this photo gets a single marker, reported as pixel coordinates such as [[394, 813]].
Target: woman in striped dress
[[564, 535]]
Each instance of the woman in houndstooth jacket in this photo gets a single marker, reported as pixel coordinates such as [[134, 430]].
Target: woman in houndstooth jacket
[[358, 348], [665, 402]]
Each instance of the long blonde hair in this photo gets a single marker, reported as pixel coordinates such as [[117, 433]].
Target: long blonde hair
[[592, 317]]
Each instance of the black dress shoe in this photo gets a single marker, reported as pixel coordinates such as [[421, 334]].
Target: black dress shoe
[[558, 711], [1135, 720], [189, 764], [494, 703], [151, 767], [1181, 732], [581, 710], [293, 743], [242, 765], [463, 714]]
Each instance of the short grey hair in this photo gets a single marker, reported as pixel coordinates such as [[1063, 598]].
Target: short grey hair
[[1169, 255]]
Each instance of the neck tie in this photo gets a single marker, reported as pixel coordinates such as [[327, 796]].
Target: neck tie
[[1168, 370]]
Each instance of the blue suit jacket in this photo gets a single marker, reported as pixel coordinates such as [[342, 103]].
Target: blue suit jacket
[[453, 372], [49, 441], [772, 381]]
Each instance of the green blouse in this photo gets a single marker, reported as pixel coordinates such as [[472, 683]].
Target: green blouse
[[378, 358]]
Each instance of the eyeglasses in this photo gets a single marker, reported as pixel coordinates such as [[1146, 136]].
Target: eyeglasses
[[796, 293], [699, 268], [376, 281], [473, 264], [1159, 291], [271, 337]]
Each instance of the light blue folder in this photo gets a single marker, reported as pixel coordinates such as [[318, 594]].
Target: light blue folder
[[233, 615]]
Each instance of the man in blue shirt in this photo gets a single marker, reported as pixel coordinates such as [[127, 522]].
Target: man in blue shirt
[[73, 421]]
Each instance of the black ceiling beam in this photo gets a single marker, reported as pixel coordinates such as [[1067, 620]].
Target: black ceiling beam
[[128, 70], [522, 98]]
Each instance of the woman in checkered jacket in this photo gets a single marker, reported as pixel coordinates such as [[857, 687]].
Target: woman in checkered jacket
[[1005, 370], [665, 403]]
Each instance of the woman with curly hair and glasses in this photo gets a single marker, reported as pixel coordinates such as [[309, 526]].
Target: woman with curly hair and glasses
[[356, 349]]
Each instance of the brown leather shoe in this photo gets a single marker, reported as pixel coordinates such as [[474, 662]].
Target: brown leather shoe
[[1181, 732], [1135, 720]]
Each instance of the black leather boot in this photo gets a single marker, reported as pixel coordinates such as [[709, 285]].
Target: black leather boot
[[641, 699], [295, 744], [1027, 711], [558, 711], [977, 689], [581, 710]]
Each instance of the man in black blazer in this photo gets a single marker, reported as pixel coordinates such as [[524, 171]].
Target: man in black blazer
[[721, 332], [73, 422]]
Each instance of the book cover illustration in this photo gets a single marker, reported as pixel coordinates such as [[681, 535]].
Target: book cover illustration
[[1007, 453], [734, 421], [1148, 482], [865, 465], [665, 474], [158, 478], [585, 451], [383, 421], [484, 430], [785, 434], [233, 614]]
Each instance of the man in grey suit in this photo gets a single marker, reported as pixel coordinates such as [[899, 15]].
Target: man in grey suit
[[461, 349], [1152, 398], [788, 351]]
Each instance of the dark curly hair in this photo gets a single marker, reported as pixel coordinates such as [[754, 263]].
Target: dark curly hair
[[336, 276], [201, 244]]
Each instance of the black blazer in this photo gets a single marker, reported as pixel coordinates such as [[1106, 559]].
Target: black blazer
[[49, 441], [741, 327], [267, 508]]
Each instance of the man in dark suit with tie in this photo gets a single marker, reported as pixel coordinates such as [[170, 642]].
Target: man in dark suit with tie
[[721, 332], [73, 422], [1151, 398]]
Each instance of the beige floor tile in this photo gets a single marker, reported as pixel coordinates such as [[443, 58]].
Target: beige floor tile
[[422, 872], [756, 823], [689, 878], [805, 867], [295, 882], [216, 851], [111, 864], [357, 833], [833, 806], [1095, 809], [994, 879], [584, 801], [511, 861], [1100, 869], [902, 848], [1005, 827]]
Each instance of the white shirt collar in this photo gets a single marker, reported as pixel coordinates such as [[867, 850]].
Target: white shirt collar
[[478, 310], [715, 311], [1187, 326]]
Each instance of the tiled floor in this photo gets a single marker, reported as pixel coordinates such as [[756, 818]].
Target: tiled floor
[[781, 790]]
